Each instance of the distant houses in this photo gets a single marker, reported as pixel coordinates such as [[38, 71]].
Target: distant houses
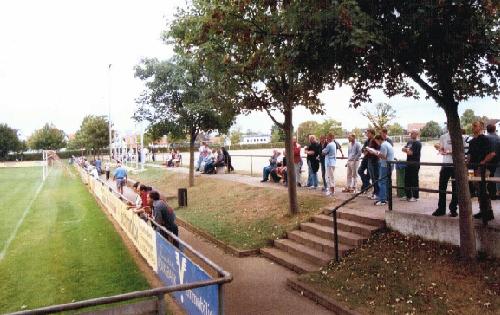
[[254, 139]]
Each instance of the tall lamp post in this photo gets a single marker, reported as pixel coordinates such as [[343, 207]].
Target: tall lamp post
[[109, 109]]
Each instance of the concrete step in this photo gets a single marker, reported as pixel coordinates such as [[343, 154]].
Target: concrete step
[[288, 260], [348, 238], [318, 243], [361, 217], [312, 255], [346, 225]]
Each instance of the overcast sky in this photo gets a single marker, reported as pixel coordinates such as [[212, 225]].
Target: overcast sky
[[55, 54]]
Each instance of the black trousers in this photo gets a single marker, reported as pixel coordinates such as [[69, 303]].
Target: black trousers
[[491, 186], [444, 176], [363, 174], [411, 181]]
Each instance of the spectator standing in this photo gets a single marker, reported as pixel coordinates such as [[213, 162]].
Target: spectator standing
[[107, 169], [297, 160], [373, 162], [323, 143], [273, 161], [120, 177], [338, 146], [313, 151], [163, 215], [481, 153], [330, 153], [493, 169], [385, 136], [412, 150], [98, 165], [446, 172], [353, 156], [227, 160], [201, 156], [386, 153], [363, 167]]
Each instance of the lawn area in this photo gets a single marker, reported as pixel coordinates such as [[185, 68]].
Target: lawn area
[[394, 274], [65, 250], [244, 216], [16, 185]]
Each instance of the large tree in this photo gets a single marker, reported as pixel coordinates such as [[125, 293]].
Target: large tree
[[449, 49], [252, 49], [431, 130], [9, 142], [468, 117], [179, 100], [380, 117], [47, 138], [93, 134]]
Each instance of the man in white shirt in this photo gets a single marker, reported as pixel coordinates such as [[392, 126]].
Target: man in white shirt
[[444, 148], [353, 156], [201, 156]]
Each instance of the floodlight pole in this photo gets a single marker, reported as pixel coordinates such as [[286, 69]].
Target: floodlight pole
[[143, 155], [109, 110]]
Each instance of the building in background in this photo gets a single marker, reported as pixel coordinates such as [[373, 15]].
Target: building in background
[[415, 126], [255, 139]]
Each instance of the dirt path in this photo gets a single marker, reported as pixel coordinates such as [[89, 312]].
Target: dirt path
[[259, 285]]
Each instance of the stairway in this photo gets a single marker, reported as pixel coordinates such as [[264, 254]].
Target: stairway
[[311, 246]]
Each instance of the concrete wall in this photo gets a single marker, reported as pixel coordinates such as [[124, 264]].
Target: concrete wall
[[443, 229]]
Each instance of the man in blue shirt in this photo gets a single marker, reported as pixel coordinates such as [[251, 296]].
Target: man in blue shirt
[[385, 154], [330, 153], [120, 177]]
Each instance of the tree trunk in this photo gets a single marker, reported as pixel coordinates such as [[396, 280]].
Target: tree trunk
[[290, 166], [467, 236], [191, 158]]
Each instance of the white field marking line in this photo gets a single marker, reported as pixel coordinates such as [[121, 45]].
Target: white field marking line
[[18, 225]]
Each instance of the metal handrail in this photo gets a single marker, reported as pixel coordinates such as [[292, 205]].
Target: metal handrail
[[345, 202], [225, 277], [482, 168], [122, 297]]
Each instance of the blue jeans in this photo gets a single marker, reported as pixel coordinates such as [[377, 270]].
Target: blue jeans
[[312, 177], [267, 170], [382, 184], [373, 171]]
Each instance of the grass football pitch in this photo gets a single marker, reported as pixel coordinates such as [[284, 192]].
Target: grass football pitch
[[56, 245]]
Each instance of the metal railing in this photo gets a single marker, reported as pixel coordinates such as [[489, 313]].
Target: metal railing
[[224, 277], [482, 169], [345, 202]]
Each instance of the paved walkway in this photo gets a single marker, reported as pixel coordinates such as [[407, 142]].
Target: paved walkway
[[259, 285], [426, 205]]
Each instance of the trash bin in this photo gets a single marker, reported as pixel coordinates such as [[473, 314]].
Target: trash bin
[[182, 197], [400, 179]]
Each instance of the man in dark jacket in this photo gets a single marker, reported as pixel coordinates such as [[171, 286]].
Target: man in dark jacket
[[163, 215], [313, 152], [480, 153]]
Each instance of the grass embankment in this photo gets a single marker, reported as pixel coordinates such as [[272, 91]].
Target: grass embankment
[[244, 216], [394, 274], [66, 249]]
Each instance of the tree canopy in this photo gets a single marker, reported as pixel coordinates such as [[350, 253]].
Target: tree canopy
[[468, 117], [251, 49], [380, 116], [447, 48], [431, 129], [179, 100], [9, 141], [47, 138], [93, 134]]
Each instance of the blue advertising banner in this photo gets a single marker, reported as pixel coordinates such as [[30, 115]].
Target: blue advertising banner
[[175, 268]]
